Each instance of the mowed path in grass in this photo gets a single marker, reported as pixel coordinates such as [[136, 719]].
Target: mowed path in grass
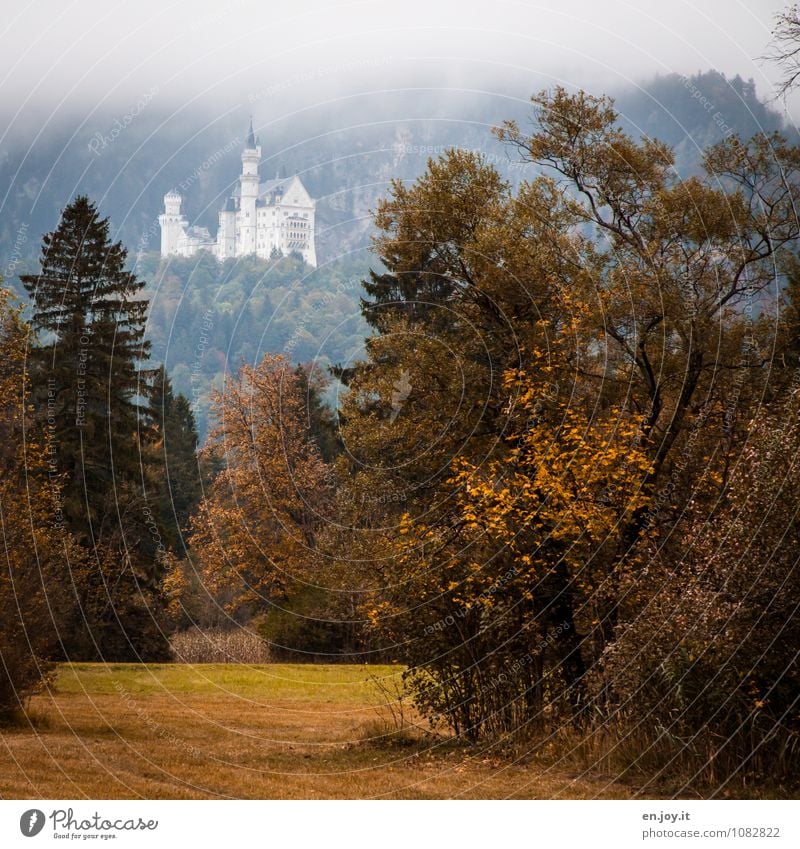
[[277, 731]]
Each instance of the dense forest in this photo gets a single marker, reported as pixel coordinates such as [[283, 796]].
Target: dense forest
[[208, 317], [538, 446]]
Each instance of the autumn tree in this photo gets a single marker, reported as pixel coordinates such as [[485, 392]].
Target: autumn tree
[[433, 399], [637, 295], [257, 526], [39, 556]]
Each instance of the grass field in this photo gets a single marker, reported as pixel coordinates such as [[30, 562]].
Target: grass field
[[273, 731]]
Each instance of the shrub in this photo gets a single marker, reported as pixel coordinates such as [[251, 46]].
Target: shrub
[[217, 645], [311, 625], [24, 655], [710, 662]]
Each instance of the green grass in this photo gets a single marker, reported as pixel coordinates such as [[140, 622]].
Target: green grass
[[330, 684]]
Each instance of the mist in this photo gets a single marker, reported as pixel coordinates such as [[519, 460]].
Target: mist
[[107, 61], [124, 101]]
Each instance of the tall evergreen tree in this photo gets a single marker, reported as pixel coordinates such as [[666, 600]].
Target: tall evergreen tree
[[181, 485], [321, 419], [89, 378]]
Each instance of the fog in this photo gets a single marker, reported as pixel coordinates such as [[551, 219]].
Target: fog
[[273, 59]]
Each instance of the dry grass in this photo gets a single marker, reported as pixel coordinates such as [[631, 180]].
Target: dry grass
[[219, 646], [273, 731]]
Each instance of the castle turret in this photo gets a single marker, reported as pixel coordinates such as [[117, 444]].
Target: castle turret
[[173, 224], [248, 195], [226, 235]]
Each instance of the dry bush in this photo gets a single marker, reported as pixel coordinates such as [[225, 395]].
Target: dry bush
[[217, 645], [381, 733]]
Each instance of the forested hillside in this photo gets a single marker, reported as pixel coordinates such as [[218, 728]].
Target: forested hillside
[[690, 113], [348, 168], [207, 317]]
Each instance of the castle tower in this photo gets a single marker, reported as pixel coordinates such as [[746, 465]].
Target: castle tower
[[248, 182], [173, 224], [226, 235]]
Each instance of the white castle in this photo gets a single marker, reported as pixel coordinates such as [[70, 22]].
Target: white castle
[[260, 218]]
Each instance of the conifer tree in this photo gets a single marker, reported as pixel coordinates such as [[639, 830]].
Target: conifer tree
[[89, 380], [321, 420], [180, 488]]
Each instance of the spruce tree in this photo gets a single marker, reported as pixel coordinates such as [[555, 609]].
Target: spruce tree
[[180, 486], [322, 424], [89, 382]]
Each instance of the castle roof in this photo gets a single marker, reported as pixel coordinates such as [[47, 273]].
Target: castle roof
[[251, 139], [270, 186], [271, 192]]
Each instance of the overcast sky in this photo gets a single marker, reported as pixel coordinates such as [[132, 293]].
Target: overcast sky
[[57, 57]]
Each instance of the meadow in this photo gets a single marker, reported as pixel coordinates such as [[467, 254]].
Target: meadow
[[272, 731]]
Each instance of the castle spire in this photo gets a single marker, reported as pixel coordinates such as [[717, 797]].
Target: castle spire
[[251, 139]]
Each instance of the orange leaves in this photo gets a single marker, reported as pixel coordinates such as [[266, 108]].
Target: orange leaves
[[259, 519], [568, 479]]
